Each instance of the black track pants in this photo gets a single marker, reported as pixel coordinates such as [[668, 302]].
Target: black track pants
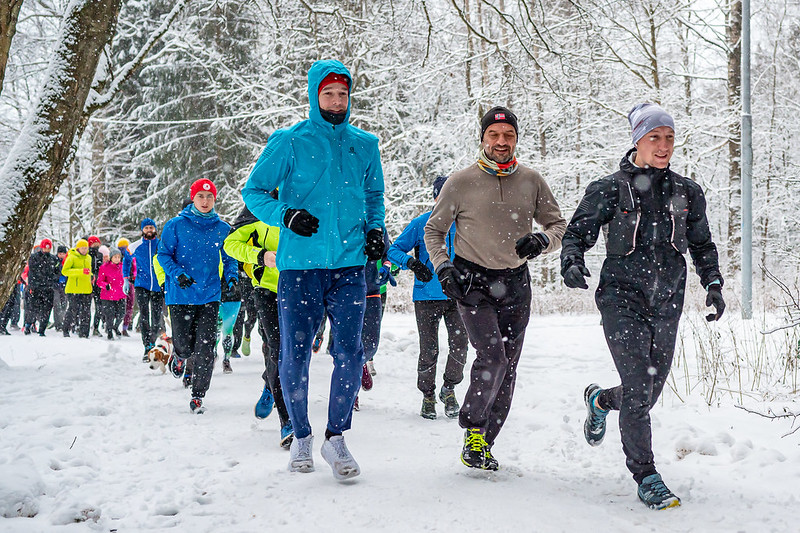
[[642, 348], [194, 335], [266, 303], [429, 314], [495, 311]]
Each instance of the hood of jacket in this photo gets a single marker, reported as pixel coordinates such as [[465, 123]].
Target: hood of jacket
[[626, 166], [75, 253], [316, 74], [203, 222]]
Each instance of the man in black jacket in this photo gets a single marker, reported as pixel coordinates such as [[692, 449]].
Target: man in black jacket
[[654, 216], [44, 270]]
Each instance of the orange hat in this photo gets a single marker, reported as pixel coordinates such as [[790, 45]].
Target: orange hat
[[123, 243]]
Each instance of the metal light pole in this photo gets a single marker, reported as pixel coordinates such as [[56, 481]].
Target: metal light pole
[[747, 170]]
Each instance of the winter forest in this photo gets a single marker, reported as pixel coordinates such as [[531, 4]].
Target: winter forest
[[110, 109], [193, 89]]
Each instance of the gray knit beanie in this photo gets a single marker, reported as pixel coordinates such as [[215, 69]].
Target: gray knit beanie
[[644, 118]]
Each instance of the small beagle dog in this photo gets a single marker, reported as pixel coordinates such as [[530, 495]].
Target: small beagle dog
[[160, 353]]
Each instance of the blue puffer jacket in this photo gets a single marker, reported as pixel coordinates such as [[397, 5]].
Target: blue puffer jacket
[[413, 238], [334, 172], [144, 250], [192, 244]]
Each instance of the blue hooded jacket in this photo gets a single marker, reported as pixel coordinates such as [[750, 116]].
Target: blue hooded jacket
[[192, 245], [144, 250], [333, 172], [413, 238]]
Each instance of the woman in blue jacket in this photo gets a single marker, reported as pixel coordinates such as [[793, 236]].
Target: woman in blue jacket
[[430, 306], [190, 251]]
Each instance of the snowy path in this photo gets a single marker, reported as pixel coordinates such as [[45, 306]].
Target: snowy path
[[88, 431]]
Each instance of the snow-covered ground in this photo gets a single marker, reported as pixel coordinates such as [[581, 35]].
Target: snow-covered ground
[[92, 440]]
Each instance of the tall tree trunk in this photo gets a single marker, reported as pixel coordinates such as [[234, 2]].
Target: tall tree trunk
[[470, 53], [734, 36], [9, 13], [35, 167]]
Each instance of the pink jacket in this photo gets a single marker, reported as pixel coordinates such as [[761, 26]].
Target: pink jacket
[[111, 274]]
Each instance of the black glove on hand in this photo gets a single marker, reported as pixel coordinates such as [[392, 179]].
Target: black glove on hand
[[531, 245], [420, 270], [714, 298], [184, 281], [450, 280], [301, 222], [575, 277], [374, 247], [261, 255]]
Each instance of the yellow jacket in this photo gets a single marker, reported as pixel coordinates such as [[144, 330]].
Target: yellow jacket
[[74, 265]]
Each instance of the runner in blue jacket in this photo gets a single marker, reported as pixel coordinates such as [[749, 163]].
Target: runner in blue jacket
[[149, 297], [189, 253], [430, 306], [330, 184]]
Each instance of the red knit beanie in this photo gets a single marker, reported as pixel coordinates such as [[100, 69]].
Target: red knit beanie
[[46, 243], [202, 184], [93, 239], [334, 78]]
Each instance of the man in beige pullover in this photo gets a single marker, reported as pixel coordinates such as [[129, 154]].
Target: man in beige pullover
[[493, 203]]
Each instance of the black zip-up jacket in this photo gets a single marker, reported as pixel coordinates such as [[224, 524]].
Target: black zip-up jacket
[[652, 276], [44, 270]]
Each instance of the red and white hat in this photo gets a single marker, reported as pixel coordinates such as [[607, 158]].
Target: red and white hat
[[202, 184], [46, 243]]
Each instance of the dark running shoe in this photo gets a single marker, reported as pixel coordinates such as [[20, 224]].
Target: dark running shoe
[[474, 453], [448, 396], [177, 366], [594, 428], [196, 405], [655, 494], [428, 408], [366, 378], [226, 366]]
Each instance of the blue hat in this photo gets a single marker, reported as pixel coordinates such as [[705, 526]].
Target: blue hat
[[438, 183], [644, 118], [147, 222]]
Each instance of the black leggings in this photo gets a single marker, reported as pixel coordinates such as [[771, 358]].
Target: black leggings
[[79, 311], [194, 336], [266, 303]]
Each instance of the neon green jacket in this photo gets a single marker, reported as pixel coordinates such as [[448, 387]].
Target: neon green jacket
[[77, 281], [248, 237]]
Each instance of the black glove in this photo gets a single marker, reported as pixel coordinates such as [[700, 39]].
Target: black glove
[[575, 276], [108, 286], [230, 291], [449, 277], [184, 281], [261, 255], [714, 298], [374, 247], [301, 222], [531, 245], [420, 270]]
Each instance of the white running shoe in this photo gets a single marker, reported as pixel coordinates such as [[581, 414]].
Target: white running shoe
[[371, 368], [336, 454], [300, 458]]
